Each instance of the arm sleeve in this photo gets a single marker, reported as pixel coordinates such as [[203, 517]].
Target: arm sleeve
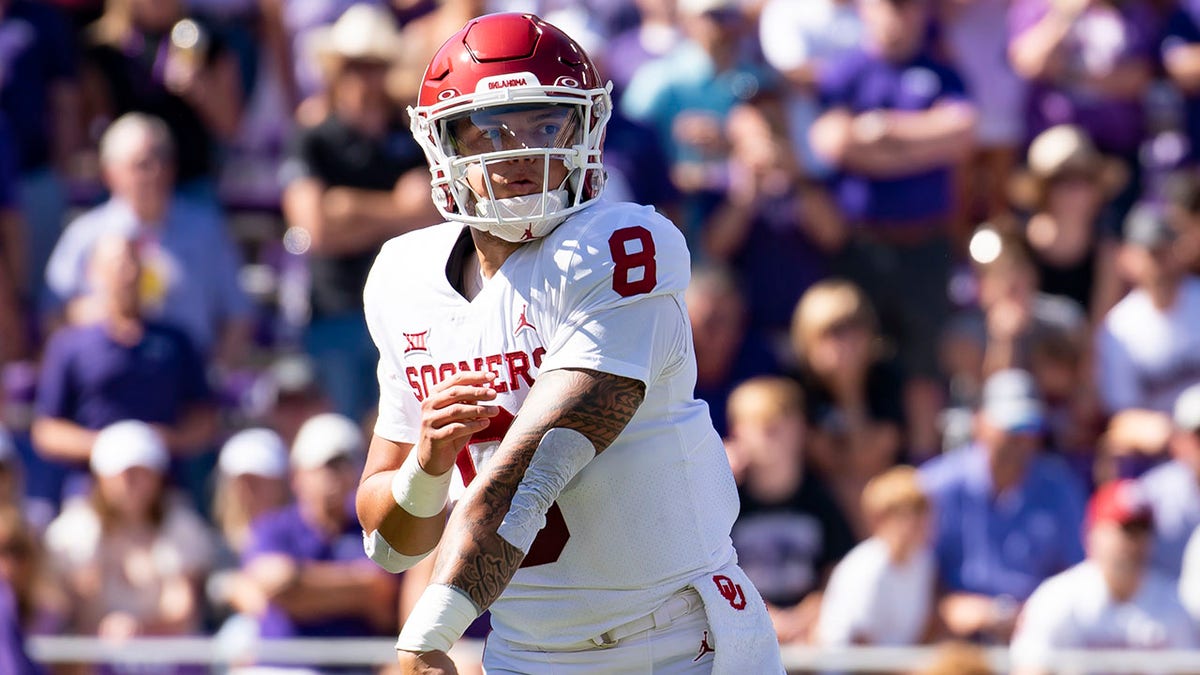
[[399, 418]]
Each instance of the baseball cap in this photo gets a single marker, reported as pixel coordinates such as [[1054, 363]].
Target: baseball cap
[[1011, 402], [326, 437], [1187, 409], [257, 452], [1147, 227], [128, 444], [1122, 502]]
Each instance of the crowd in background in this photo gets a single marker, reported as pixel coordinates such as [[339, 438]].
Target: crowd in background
[[943, 302]]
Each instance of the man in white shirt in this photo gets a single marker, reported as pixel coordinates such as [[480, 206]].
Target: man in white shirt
[[1112, 600], [1173, 488], [1148, 347]]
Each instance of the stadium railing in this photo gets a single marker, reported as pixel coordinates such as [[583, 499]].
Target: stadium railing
[[379, 651]]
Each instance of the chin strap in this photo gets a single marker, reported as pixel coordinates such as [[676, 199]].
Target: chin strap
[[527, 208]]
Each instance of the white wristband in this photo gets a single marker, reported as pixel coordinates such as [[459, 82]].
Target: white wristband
[[417, 492], [442, 614], [378, 549]]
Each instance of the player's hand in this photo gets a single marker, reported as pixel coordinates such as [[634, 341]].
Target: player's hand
[[454, 410], [426, 663]]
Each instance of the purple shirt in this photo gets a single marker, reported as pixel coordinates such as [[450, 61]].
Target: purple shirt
[[8, 167], [1101, 38], [286, 532], [94, 381], [863, 82], [13, 659], [1009, 543], [37, 49]]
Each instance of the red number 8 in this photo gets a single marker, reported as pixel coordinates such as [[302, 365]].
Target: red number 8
[[627, 262]]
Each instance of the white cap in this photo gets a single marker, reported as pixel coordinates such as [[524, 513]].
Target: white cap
[[258, 452], [325, 437], [1187, 409], [124, 445], [697, 7]]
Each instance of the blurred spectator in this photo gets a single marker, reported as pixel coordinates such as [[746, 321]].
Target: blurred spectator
[[421, 39], [293, 395], [307, 559], [132, 555], [42, 605], [11, 488], [120, 367], [1148, 348], [771, 226], [1007, 514], [288, 29], [1180, 53], [1182, 193], [686, 97], [726, 354], [13, 658], [1089, 62], [352, 182], [13, 254], [800, 40], [655, 35], [972, 37], [957, 658], [40, 97], [1073, 243], [1173, 488], [896, 123], [252, 482], [882, 592], [190, 265], [148, 56], [1014, 314], [852, 402], [1112, 600], [789, 532]]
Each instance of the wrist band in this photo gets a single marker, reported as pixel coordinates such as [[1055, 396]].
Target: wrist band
[[439, 618], [417, 492]]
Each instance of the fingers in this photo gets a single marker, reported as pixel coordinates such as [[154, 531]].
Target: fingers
[[463, 387], [458, 419]]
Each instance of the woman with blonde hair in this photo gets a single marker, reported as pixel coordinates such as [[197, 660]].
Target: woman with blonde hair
[[132, 555], [853, 393]]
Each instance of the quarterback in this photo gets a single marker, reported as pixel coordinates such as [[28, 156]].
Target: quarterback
[[535, 350]]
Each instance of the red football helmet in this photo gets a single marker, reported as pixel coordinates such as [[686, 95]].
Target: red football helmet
[[509, 87]]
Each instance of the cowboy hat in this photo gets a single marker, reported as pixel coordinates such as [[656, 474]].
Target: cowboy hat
[[362, 33], [1061, 150]]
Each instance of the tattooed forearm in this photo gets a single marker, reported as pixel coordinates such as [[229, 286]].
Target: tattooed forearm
[[598, 405]]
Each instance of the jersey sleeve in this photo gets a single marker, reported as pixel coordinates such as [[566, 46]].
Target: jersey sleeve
[[399, 413], [618, 308]]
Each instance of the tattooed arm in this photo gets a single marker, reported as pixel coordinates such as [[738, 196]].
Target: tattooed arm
[[473, 557]]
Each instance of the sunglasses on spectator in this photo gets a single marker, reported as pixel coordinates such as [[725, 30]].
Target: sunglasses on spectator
[[1137, 528]]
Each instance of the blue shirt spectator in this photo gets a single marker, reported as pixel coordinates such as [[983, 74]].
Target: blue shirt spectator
[[189, 262], [1003, 543], [1008, 516]]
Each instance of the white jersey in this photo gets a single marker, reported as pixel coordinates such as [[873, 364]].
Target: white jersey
[[1074, 610], [873, 599], [603, 291]]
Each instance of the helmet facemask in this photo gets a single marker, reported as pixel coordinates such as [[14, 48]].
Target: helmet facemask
[[543, 127]]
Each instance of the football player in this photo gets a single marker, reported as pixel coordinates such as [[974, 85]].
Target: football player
[[537, 347]]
